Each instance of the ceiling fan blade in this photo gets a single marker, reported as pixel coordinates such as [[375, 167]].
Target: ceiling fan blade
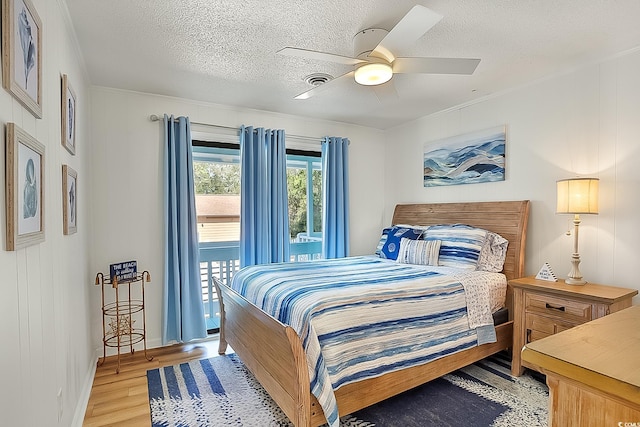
[[322, 56], [345, 78], [435, 65], [386, 91], [411, 27]]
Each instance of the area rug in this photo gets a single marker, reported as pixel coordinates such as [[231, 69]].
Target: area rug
[[221, 392]]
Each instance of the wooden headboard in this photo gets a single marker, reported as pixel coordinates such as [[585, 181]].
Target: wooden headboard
[[508, 219]]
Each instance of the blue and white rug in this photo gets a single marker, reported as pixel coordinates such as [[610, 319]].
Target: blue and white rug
[[221, 392]]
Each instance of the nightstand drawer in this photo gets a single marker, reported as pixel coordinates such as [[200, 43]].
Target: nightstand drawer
[[572, 311], [535, 336], [540, 326]]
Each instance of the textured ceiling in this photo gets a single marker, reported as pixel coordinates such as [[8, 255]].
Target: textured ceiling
[[224, 51]]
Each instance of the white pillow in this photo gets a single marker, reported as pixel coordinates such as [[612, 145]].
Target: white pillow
[[421, 252], [493, 253]]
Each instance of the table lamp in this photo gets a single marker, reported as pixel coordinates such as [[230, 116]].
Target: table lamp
[[577, 196]]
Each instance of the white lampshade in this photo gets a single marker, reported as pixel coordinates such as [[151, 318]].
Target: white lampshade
[[577, 196], [374, 74]]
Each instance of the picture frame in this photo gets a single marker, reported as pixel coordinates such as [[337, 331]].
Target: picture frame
[[24, 192], [470, 158], [69, 200], [22, 53], [68, 109]]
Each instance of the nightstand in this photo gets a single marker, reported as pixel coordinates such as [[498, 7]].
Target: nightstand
[[542, 308]]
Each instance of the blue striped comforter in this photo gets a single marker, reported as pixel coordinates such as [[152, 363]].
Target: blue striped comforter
[[361, 317]]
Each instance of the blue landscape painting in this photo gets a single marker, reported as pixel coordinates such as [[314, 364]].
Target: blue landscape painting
[[466, 159]]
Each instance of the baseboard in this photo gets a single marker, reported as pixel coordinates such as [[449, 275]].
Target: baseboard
[[83, 399]]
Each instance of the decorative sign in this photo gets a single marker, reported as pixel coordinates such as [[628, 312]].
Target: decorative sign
[[546, 273], [123, 271]]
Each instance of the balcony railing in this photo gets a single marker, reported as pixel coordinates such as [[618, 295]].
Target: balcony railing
[[222, 260]]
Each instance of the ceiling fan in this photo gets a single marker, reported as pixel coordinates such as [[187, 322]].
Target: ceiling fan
[[374, 54]]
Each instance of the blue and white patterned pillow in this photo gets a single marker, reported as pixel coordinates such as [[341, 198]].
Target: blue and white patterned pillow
[[391, 245], [420, 252], [461, 244]]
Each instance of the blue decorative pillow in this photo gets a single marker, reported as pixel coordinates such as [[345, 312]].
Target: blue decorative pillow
[[461, 244], [391, 246]]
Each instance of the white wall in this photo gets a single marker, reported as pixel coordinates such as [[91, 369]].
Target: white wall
[[584, 123], [128, 181], [46, 341]]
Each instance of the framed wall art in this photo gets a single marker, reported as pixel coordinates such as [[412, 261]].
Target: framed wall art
[[69, 200], [22, 53], [24, 190], [68, 109], [465, 159]]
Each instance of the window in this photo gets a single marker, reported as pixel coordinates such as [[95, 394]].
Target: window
[[304, 185], [216, 174], [217, 184]]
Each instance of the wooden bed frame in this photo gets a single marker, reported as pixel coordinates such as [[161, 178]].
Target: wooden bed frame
[[273, 352]]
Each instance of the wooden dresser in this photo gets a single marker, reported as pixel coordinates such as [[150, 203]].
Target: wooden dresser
[[593, 371], [542, 308]]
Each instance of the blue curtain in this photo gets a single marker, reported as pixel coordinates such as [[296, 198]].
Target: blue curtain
[[183, 311], [264, 208], [335, 197]]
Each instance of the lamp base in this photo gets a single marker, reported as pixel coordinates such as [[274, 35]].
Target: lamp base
[[572, 281], [575, 277]]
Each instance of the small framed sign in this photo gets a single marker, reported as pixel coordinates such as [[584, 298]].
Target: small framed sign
[[546, 273], [123, 271]]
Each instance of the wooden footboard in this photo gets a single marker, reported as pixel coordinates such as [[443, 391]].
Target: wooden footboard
[[273, 353], [271, 350]]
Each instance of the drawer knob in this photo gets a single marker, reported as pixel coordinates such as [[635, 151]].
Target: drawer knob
[[554, 307]]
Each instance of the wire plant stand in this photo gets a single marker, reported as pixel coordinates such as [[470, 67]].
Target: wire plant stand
[[119, 317]]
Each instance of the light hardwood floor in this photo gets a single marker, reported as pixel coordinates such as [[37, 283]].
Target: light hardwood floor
[[123, 399]]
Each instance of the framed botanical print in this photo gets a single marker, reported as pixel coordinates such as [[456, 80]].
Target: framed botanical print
[[22, 53], [69, 200], [24, 190], [68, 116]]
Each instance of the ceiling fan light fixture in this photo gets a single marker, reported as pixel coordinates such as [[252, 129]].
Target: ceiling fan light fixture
[[373, 74]]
